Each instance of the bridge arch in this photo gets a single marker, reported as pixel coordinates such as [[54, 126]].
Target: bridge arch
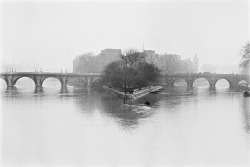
[[243, 82], [18, 78], [179, 82], [95, 79], [203, 81], [77, 81], [230, 83], [2, 83], [50, 77]]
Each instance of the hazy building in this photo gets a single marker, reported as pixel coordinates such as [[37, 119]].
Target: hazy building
[[168, 63], [151, 57], [111, 53], [149, 52], [172, 63], [76, 63], [195, 64], [89, 63], [108, 55], [208, 68]]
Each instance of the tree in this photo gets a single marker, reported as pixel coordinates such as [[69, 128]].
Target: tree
[[113, 74], [131, 71], [245, 57], [147, 74], [85, 63], [131, 60]]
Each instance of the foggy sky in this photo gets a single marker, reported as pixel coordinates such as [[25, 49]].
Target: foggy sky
[[53, 33]]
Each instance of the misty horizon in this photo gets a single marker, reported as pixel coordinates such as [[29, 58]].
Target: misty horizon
[[58, 31], [35, 66]]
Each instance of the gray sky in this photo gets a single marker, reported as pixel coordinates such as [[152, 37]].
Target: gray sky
[[53, 33]]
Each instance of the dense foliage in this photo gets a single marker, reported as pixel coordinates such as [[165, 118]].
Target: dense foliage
[[245, 57], [131, 71]]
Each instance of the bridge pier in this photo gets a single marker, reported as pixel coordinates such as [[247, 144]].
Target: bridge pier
[[190, 83], [212, 86], [9, 81], [234, 85], [88, 82], [38, 81], [169, 82], [64, 82]]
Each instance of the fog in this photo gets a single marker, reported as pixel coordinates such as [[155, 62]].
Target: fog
[[48, 35]]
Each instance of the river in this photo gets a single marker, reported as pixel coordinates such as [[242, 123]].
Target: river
[[83, 127]]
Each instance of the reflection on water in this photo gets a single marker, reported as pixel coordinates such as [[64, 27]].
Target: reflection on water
[[53, 126], [245, 103]]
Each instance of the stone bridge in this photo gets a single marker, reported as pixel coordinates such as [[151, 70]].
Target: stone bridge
[[189, 78], [38, 77]]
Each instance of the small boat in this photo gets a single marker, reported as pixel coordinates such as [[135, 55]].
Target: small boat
[[246, 94]]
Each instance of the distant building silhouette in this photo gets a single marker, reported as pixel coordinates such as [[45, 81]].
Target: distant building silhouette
[[111, 52], [151, 56], [149, 52], [89, 63], [168, 63], [171, 63]]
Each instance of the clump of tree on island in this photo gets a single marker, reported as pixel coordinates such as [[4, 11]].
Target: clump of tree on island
[[140, 69], [130, 72]]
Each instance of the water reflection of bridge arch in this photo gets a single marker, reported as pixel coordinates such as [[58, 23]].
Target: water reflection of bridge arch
[[246, 113]]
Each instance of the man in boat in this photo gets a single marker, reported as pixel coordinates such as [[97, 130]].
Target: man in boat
[[246, 93]]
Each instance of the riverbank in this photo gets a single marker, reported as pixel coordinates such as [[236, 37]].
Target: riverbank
[[136, 94]]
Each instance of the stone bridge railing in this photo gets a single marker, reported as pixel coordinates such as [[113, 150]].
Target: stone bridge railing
[[38, 77]]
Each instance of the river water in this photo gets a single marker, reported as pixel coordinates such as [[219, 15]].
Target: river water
[[83, 127]]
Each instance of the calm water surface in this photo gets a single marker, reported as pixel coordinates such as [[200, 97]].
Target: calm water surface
[[82, 127]]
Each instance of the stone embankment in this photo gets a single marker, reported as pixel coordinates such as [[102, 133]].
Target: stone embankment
[[136, 94]]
